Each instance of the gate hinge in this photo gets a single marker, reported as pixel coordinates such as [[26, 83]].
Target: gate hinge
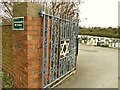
[[41, 13]]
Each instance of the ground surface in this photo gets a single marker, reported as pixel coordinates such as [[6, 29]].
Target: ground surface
[[97, 67]]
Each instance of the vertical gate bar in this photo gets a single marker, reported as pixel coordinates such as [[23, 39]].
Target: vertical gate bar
[[43, 34], [61, 37], [58, 32], [59, 50], [75, 43], [54, 25], [55, 47], [43, 23], [47, 49], [44, 47], [51, 47], [70, 45], [64, 40], [54, 51], [51, 61], [59, 47], [77, 28], [72, 48], [67, 47], [65, 31]]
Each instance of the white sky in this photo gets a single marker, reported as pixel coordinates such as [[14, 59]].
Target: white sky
[[103, 13], [100, 13]]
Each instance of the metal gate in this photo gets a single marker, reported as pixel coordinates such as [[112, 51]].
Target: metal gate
[[61, 59]]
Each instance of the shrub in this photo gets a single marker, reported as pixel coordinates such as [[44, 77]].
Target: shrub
[[7, 80], [102, 32]]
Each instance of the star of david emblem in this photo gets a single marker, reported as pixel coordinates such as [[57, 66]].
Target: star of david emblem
[[64, 48]]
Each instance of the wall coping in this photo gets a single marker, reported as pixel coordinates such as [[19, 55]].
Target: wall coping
[[5, 23]]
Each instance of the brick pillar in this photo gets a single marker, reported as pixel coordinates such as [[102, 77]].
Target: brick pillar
[[34, 42], [27, 47]]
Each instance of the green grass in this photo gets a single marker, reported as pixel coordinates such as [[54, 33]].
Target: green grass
[[7, 80], [1, 73], [102, 32]]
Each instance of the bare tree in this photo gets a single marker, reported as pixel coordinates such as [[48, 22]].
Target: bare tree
[[65, 9], [61, 8], [6, 8]]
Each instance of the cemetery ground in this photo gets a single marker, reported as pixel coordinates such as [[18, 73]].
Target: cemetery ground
[[97, 67]]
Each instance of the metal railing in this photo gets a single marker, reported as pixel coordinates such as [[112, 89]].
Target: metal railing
[[63, 47]]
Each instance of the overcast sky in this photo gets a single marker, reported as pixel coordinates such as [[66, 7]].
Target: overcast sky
[[103, 13], [100, 13]]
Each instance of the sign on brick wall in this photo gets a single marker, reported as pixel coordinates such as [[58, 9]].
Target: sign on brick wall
[[18, 23]]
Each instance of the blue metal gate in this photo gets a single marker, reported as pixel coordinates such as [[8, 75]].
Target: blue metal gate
[[63, 48]]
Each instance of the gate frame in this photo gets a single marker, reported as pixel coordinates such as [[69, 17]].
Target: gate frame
[[70, 72]]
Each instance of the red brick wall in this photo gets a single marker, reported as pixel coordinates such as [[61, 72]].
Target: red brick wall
[[7, 55], [20, 58], [22, 53]]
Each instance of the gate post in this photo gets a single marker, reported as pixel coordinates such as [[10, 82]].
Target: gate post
[[27, 47]]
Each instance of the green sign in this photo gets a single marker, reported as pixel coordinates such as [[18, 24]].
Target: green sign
[[18, 23]]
